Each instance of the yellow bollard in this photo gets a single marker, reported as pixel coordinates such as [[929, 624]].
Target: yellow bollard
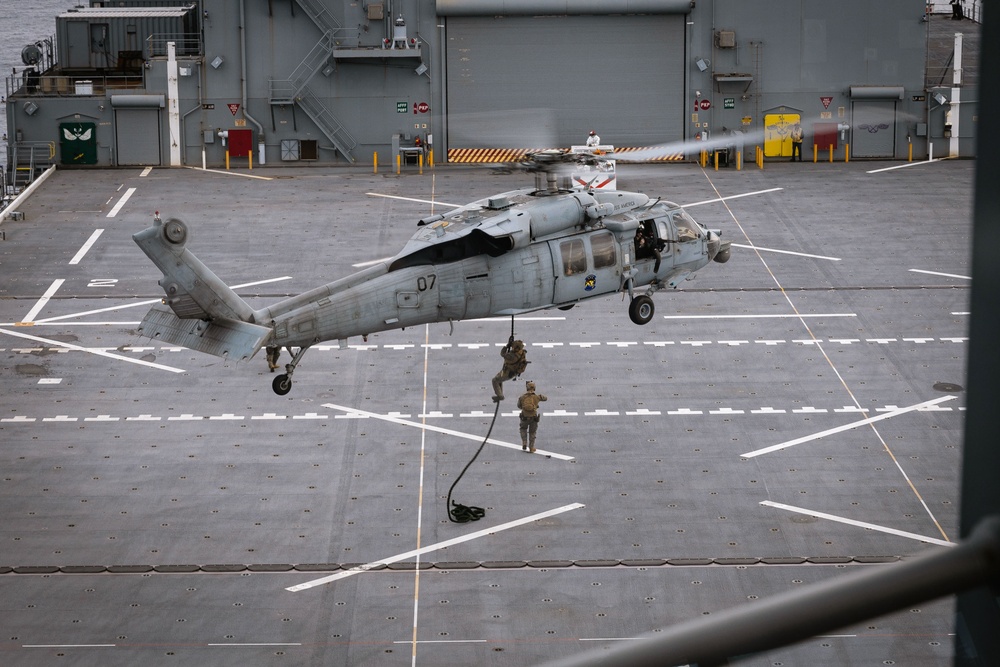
[[815, 153], [430, 158], [831, 153], [375, 162], [847, 152], [398, 164], [910, 156], [739, 160], [420, 162], [250, 156], [716, 154], [227, 159]]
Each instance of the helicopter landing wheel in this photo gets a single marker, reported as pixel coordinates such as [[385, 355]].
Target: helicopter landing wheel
[[282, 384], [641, 308]]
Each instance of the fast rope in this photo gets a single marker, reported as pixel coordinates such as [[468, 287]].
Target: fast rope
[[457, 512]]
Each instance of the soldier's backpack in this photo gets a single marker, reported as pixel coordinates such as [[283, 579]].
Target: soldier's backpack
[[521, 364]]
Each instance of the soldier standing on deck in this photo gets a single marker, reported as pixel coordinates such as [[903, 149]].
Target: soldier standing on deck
[[272, 357], [528, 403]]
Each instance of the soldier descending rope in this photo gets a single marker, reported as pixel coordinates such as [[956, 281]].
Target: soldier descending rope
[[514, 363]]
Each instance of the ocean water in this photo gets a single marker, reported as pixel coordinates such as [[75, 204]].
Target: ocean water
[[23, 23]]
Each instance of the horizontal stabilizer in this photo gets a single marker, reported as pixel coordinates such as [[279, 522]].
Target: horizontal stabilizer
[[230, 339]]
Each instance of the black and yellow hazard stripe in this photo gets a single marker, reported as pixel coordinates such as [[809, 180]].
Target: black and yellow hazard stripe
[[502, 155], [486, 155], [672, 157]]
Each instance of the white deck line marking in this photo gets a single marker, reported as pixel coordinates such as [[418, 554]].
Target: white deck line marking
[[123, 323], [443, 641], [796, 316], [68, 645], [903, 166], [100, 353], [260, 282], [121, 202], [860, 524], [505, 318], [86, 246], [846, 427], [434, 547], [143, 303], [720, 199], [232, 173], [419, 201], [938, 273], [420, 498], [446, 431], [257, 644], [145, 172], [787, 252], [49, 293], [47, 320]]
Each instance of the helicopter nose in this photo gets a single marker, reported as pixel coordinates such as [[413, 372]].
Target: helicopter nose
[[718, 250]]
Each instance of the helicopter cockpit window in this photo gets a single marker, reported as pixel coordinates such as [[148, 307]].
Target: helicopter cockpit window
[[574, 256], [687, 229], [603, 247]]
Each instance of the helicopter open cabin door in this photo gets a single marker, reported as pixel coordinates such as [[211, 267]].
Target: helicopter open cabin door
[[585, 265]]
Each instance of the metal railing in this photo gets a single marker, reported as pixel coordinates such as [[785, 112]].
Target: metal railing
[[65, 85], [28, 159], [790, 617], [186, 44]]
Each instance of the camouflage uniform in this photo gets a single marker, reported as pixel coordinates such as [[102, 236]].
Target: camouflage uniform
[[272, 357], [528, 403], [514, 363]]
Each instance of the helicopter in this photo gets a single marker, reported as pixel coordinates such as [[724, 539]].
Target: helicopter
[[550, 246]]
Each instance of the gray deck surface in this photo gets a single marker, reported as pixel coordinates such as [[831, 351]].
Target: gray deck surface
[[198, 496]]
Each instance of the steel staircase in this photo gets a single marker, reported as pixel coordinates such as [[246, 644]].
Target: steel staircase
[[295, 89]]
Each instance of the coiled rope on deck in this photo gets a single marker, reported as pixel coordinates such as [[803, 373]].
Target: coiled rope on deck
[[457, 512]]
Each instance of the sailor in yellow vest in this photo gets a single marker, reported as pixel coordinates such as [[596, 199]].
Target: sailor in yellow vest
[[528, 403], [796, 142], [514, 363]]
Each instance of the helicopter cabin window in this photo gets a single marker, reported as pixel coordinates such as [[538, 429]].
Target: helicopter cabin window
[[574, 257], [603, 247]]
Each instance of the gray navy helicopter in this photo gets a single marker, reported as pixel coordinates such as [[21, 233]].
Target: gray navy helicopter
[[550, 246]]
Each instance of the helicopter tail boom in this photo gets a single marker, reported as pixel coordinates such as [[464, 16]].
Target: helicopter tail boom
[[199, 310]]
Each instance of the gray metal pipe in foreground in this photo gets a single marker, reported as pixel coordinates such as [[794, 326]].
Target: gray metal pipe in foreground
[[797, 615], [560, 7]]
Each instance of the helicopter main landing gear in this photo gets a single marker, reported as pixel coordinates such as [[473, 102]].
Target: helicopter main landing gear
[[282, 384], [640, 309]]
